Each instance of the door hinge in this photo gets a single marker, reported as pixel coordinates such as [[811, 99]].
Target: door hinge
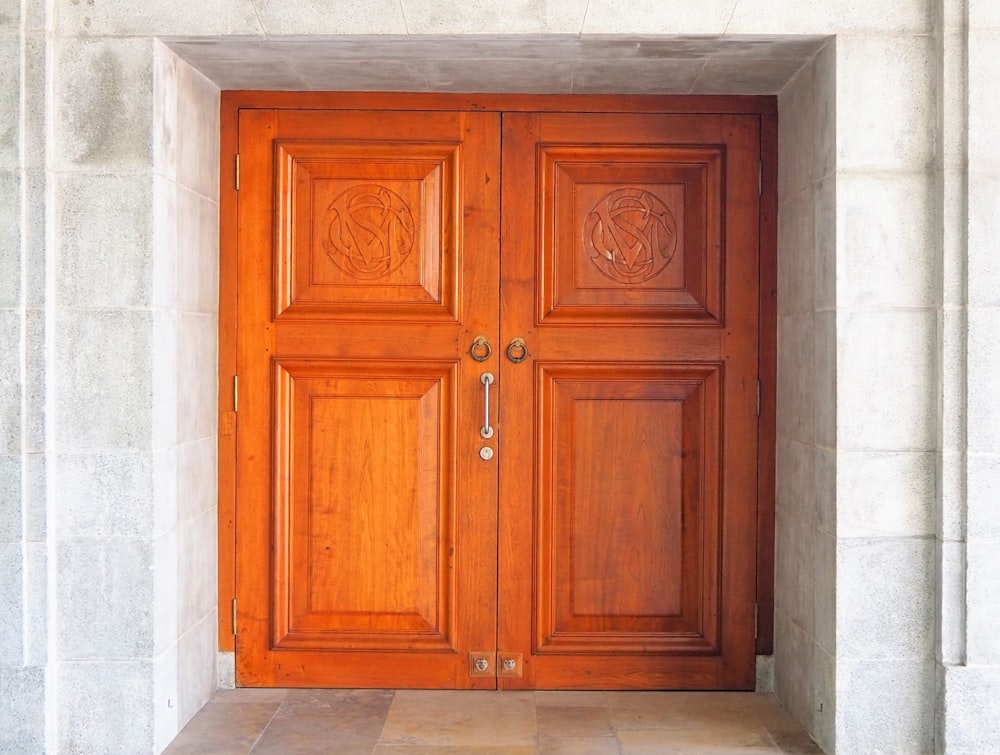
[[236, 394], [234, 616], [756, 610], [760, 176], [237, 171], [758, 397]]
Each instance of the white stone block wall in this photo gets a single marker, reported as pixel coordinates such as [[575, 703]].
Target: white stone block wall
[[888, 538]]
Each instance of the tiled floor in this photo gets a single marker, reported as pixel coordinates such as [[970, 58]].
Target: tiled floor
[[409, 722]]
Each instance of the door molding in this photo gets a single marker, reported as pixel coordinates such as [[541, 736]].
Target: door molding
[[765, 107]]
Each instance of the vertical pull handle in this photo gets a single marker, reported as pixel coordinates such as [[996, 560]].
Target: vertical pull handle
[[486, 379]]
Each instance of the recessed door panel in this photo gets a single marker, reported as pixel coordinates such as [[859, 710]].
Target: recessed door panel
[[628, 509], [368, 530]]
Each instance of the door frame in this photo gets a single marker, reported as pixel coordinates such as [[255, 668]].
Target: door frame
[[764, 106]]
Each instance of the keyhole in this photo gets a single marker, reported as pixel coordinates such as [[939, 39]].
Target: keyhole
[[482, 664], [509, 664]]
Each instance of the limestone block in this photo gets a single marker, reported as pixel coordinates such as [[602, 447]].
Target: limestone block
[[34, 132], [103, 102], [36, 499], [796, 254], [165, 63], [885, 102], [796, 378], [164, 379], [11, 604], [825, 243], [227, 670], [983, 14], [493, 17], [737, 77], [969, 712], [826, 490], [10, 498], [197, 651], [197, 132], [10, 381], [955, 220], [885, 598], [983, 368], [794, 657], [983, 481], [35, 370], [825, 387], [951, 618], [886, 494], [33, 242], [197, 387], [885, 366], [10, 15], [824, 595], [277, 74], [22, 715], [10, 239], [166, 224], [197, 478], [165, 487], [105, 495], [103, 384], [318, 17], [130, 18], [197, 252], [165, 591], [104, 593], [796, 137], [10, 98], [500, 75], [983, 602], [824, 84], [105, 706], [887, 242], [165, 703], [844, 16], [984, 110], [661, 76], [824, 702], [105, 240], [375, 75], [885, 706], [36, 591], [983, 263], [197, 576]]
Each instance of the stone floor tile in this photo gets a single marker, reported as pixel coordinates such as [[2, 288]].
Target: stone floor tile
[[326, 721], [250, 695], [223, 729], [796, 743], [701, 741], [461, 719], [559, 721], [578, 745], [463, 750], [570, 698]]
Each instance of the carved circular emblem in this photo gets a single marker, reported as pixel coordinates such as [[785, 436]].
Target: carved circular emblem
[[630, 235], [371, 231]]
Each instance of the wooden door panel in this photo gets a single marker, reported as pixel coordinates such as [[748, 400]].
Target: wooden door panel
[[650, 225], [367, 230], [362, 559], [628, 509], [367, 534], [628, 457]]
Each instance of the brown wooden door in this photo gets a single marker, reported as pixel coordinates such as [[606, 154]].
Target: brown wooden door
[[628, 445], [610, 542], [366, 521]]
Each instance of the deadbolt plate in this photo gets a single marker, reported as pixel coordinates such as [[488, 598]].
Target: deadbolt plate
[[482, 664], [510, 664]]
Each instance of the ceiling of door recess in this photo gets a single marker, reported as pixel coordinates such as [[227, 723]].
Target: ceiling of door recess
[[557, 64]]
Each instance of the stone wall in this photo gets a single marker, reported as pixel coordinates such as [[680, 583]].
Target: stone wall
[[888, 420]]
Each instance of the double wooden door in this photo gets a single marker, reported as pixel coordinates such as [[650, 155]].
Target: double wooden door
[[498, 392]]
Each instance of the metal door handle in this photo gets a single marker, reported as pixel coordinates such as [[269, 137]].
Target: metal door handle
[[517, 350], [486, 379]]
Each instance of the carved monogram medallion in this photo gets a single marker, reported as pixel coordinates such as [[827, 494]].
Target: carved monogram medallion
[[630, 235], [371, 231]]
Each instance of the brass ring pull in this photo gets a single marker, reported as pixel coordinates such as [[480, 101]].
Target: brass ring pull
[[517, 351], [481, 349]]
